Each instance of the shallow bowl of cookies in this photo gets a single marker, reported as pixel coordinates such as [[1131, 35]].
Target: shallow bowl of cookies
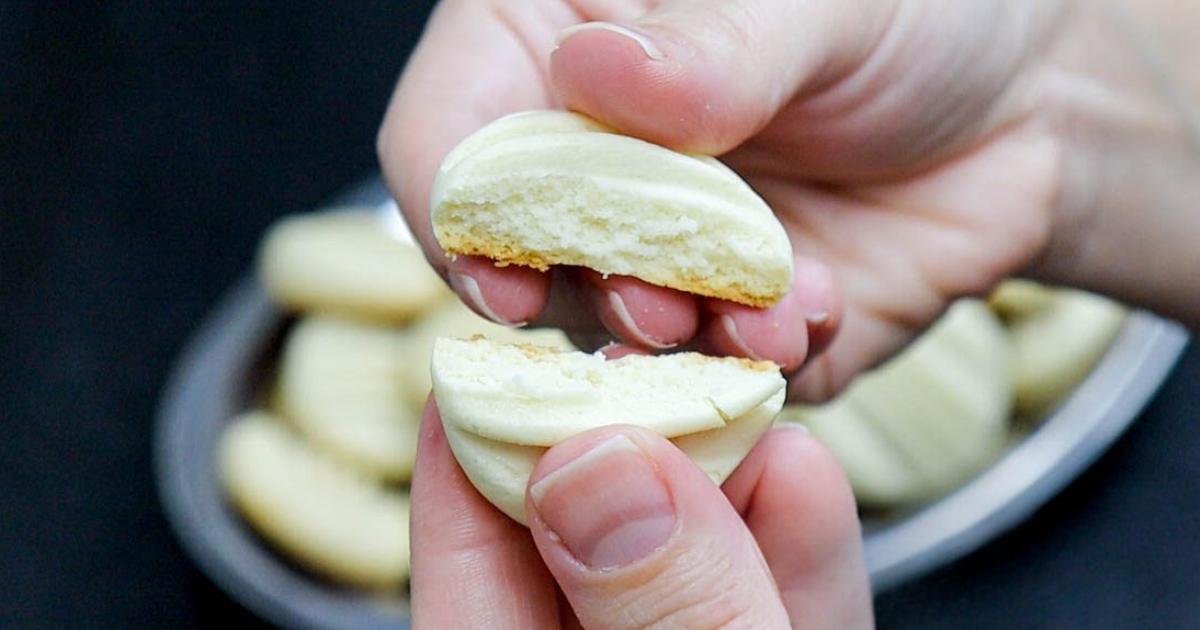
[[230, 365]]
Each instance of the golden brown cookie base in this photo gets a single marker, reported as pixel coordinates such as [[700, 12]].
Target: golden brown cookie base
[[505, 254]]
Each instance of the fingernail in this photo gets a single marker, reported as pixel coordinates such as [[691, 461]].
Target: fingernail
[[647, 46], [608, 506], [793, 425], [609, 347], [817, 294], [615, 350], [618, 306], [730, 328], [468, 288]]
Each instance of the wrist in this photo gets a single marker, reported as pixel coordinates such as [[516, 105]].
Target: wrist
[[1127, 214]]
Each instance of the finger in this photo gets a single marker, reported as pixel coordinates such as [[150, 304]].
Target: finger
[[903, 251], [799, 506], [511, 296], [641, 314], [472, 566], [800, 325], [637, 536], [475, 63], [863, 341], [705, 75], [592, 310]]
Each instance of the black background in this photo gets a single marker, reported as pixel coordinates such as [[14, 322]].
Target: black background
[[143, 149]]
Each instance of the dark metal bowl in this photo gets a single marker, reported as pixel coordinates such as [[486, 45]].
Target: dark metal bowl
[[217, 375]]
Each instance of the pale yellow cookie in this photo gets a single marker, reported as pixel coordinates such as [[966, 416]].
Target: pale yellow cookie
[[1057, 342], [342, 384], [502, 406], [347, 263], [312, 508], [555, 188], [929, 418], [1016, 298], [453, 319]]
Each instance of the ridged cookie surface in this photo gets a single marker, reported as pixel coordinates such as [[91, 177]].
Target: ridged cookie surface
[[555, 188], [927, 419], [454, 319], [342, 383], [540, 396], [503, 406], [346, 263], [317, 511]]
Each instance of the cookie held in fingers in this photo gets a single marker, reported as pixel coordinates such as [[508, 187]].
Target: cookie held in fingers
[[503, 406], [549, 188], [454, 319]]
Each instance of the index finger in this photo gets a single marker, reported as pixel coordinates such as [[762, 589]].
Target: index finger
[[800, 508], [472, 566], [474, 63]]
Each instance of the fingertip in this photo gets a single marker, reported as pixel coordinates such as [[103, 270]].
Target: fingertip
[[510, 296], [819, 299], [758, 334], [801, 325], [822, 328], [580, 525], [812, 478], [618, 498], [620, 511], [641, 314], [789, 453], [801, 509]]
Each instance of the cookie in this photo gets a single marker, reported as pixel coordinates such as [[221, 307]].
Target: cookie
[[556, 188], [314, 509], [503, 405], [342, 385], [347, 263]]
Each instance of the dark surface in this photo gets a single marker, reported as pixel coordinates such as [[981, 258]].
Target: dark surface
[[142, 151]]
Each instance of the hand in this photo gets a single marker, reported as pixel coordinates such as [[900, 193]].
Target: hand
[[916, 152], [626, 532]]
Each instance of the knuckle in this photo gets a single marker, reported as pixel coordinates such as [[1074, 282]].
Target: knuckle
[[698, 588]]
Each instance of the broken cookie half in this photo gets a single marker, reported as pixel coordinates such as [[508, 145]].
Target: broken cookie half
[[503, 406], [546, 188]]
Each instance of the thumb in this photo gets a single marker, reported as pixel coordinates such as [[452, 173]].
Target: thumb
[[705, 75], [637, 536]]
